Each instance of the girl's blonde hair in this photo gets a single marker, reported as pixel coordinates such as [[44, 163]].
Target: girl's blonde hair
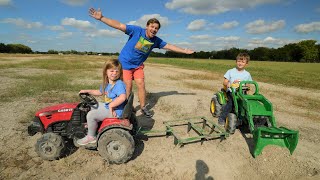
[[110, 64]]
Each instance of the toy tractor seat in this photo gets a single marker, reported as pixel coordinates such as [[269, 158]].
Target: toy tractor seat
[[124, 121], [127, 111]]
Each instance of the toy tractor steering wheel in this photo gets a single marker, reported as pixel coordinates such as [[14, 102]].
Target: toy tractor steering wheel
[[88, 99], [245, 88]]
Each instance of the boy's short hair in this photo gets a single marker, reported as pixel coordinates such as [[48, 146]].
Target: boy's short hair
[[153, 20], [243, 55]]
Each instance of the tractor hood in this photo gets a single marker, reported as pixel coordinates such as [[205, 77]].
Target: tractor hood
[[60, 108]]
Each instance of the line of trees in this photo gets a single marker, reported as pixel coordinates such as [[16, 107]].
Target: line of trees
[[15, 48], [51, 51], [303, 51]]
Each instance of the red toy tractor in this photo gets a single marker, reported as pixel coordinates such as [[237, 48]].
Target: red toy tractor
[[67, 122]]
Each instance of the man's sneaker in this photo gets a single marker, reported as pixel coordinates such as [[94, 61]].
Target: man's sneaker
[[146, 112], [86, 140]]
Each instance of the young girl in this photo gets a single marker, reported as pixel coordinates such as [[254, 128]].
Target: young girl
[[114, 91]]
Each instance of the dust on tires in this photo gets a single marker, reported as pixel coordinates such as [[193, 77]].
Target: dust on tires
[[215, 107], [116, 146], [50, 146], [231, 123]]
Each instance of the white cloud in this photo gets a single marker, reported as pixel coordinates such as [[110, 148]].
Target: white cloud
[[164, 21], [105, 33], [208, 42], [183, 44], [260, 26], [269, 42], [204, 43], [83, 25], [228, 38], [65, 35], [307, 28], [229, 25], [5, 2], [163, 35], [75, 2], [214, 6], [201, 37], [32, 41], [22, 23], [197, 25], [56, 28]]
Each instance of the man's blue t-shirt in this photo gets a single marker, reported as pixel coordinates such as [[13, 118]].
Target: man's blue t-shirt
[[138, 47], [112, 92]]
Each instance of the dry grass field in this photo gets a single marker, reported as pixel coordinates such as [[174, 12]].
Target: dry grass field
[[31, 82]]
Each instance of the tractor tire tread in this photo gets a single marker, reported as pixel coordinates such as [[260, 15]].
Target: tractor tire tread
[[120, 135]]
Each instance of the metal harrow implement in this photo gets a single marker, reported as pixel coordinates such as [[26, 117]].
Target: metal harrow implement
[[197, 129]]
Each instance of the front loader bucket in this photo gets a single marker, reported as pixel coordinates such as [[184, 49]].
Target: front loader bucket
[[281, 136]]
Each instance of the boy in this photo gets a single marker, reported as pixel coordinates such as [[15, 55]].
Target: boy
[[136, 51], [234, 75]]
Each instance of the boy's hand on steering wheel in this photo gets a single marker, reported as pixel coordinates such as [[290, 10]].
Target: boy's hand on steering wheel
[[237, 81]]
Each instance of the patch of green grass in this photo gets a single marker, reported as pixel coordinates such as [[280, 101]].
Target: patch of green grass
[[5, 60], [53, 64], [35, 85], [66, 74], [29, 115], [307, 104], [303, 75]]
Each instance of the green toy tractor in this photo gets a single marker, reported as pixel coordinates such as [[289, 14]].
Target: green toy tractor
[[255, 112]]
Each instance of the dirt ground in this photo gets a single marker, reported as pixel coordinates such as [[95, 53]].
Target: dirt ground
[[172, 98]]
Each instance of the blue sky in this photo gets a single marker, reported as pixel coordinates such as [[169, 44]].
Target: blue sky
[[202, 25]]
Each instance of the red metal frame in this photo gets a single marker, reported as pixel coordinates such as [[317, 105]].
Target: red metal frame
[[63, 112]]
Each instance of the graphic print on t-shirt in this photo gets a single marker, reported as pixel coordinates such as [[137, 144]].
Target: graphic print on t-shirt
[[107, 100], [143, 45]]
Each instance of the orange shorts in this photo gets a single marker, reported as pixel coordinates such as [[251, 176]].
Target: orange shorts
[[132, 74]]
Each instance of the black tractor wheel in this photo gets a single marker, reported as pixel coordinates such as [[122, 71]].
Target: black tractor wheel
[[50, 146], [116, 146], [215, 107], [231, 123]]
